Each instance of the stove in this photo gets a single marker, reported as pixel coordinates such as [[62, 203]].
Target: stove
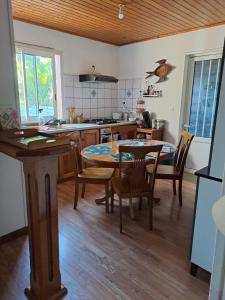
[[101, 121]]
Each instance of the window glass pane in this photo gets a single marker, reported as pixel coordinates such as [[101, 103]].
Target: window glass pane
[[20, 78], [45, 85], [202, 98], [31, 85], [211, 96], [195, 96]]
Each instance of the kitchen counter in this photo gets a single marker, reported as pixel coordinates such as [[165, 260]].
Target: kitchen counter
[[82, 126]]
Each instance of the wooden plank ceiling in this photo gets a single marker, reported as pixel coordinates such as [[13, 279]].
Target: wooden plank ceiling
[[143, 19]]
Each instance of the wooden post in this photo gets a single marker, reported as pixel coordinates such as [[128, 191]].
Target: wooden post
[[42, 211]]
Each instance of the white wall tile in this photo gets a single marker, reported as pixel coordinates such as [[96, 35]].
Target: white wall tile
[[128, 93], [101, 93], [137, 83], [68, 80], [94, 113], [94, 93], [108, 94], [87, 113], [101, 113], [121, 84], [128, 83], [136, 93], [86, 93], [108, 103], [86, 103], [76, 82], [108, 112], [114, 103], [78, 92], [78, 103], [101, 103], [121, 94], [114, 93], [94, 103], [68, 92]]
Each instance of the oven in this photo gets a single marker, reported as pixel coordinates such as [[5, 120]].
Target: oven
[[105, 135]]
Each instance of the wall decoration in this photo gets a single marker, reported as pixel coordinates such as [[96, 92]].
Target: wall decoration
[[161, 71]]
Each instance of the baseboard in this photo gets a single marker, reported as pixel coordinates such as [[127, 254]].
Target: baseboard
[[13, 235]]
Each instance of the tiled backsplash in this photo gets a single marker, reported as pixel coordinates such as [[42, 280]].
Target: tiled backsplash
[[128, 91], [99, 100]]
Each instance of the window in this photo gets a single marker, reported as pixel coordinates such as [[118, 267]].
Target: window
[[203, 96], [36, 83]]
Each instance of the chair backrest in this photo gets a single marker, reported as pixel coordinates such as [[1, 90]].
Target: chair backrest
[[77, 146], [124, 131], [135, 171], [182, 150]]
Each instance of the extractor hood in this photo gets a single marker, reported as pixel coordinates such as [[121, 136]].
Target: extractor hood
[[95, 77]]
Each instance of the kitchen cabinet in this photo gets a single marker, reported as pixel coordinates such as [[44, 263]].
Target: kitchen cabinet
[[67, 162], [90, 137]]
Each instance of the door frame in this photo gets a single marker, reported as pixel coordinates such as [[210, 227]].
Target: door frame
[[189, 86]]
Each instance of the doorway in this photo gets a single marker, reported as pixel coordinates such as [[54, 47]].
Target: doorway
[[201, 91]]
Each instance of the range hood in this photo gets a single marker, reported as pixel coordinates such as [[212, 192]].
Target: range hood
[[97, 78]]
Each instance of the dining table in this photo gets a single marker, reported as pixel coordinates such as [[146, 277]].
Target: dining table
[[107, 155]]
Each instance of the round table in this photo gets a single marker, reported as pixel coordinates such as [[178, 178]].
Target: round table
[[103, 156], [92, 154]]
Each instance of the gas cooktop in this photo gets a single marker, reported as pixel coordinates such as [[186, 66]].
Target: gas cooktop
[[101, 121]]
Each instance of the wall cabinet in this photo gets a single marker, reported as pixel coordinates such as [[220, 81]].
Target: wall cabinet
[[67, 162]]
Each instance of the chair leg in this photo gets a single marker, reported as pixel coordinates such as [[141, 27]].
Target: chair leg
[[76, 195], [131, 207], [150, 208], [120, 206], [140, 203], [83, 190], [107, 197], [174, 187], [112, 199], [180, 191]]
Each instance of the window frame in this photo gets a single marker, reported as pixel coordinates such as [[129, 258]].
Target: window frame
[[191, 64], [44, 52]]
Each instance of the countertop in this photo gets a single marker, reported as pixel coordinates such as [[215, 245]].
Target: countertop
[[82, 126]]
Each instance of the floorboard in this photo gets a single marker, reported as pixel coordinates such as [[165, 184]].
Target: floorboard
[[98, 263]]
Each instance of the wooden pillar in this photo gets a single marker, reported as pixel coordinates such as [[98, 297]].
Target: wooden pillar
[[41, 179]]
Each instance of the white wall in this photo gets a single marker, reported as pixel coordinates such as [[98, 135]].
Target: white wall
[[8, 91], [79, 54], [136, 59]]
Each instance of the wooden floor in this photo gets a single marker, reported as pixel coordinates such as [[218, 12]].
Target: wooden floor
[[98, 263]]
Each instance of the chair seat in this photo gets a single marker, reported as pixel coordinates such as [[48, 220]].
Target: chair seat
[[127, 189], [96, 173], [164, 171]]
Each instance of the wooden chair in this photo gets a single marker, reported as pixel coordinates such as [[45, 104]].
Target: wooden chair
[[132, 181], [124, 132], [91, 175], [176, 171]]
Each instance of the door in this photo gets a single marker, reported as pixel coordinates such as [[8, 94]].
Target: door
[[201, 94], [36, 82]]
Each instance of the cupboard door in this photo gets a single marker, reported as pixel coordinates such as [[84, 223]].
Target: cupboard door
[[90, 137], [67, 162]]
